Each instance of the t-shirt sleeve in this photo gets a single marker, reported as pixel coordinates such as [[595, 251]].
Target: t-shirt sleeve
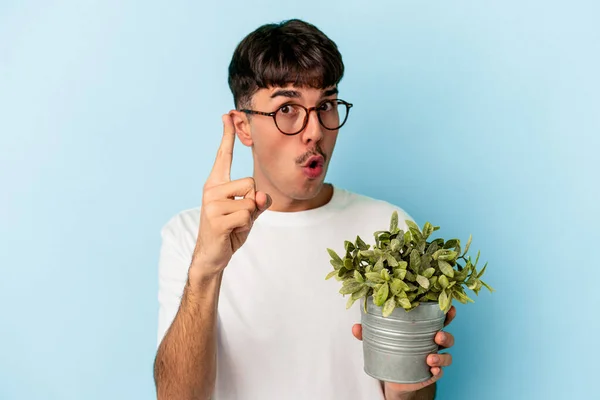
[[173, 264]]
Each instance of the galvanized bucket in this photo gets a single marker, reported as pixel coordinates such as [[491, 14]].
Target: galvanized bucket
[[395, 348]]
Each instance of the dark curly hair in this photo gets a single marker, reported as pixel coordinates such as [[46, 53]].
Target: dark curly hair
[[276, 55]]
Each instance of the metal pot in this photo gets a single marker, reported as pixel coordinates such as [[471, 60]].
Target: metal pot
[[395, 348]]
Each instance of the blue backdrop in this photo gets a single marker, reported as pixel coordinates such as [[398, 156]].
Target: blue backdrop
[[481, 117]]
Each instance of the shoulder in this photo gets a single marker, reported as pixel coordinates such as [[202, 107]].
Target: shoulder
[[375, 209], [182, 229]]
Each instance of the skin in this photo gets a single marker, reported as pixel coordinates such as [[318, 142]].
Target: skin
[[185, 364]]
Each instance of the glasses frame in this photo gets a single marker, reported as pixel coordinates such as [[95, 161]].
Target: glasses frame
[[308, 110]]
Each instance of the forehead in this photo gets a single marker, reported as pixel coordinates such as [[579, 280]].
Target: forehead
[[276, 93]]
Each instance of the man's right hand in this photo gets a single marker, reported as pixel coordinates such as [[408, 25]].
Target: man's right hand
[[224, 221]]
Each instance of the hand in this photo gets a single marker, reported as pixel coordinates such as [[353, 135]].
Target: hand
[[436, 361], [224, 221]]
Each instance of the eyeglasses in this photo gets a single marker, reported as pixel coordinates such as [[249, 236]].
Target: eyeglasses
[[291, 119]]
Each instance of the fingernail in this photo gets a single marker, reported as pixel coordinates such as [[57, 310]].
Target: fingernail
[[435, 359]]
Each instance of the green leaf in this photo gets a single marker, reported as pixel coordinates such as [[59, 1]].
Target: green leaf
[[427, 230], [342, 272], [468, 245], [402, 264], [443, 300], [374, 276], [351, 288], [361, 244], [491, 289], [407, 237], [348, 264], [432, 296], [428, 273], [411, 287], [367, 253], [336, 264], [350, 301], [361, 293], [446, 268], [395, 245], [334, 255], [392, 262], [358, 277], [385, 275], [460, 296], [394, 221], [410, 276], [412, 225], [405, 303], [482, 271], [349, 246], [443, 281], [424, 282], [381, 295], [331, 274], [389, 307], [433, 247], [477, 259], [415, 261], [379, 265], [396, 286], [399, 273], [401, 295]]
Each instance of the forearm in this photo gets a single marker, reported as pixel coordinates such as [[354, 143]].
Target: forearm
[[185, 365], [427, 393]]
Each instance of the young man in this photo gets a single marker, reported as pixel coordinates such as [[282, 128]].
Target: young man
[[245, 311]]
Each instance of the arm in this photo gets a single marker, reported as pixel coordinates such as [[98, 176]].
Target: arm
[[185, 364], [427, 393], [185, 367]]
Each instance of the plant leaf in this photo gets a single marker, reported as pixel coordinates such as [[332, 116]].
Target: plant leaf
[[443, 300], [394, 221], [395, 245], [423, 281], [331, 274], [361, 244], [400, 273], [428, 273], [468, 245], [443, 281], [381, 295], [350, 301], [482, 270], [446, 268], [415, 261], [491, 289], [385, 275], [358, 277], [392, 262], [389, 306], [351, 288], [334, 255], [361, 293], [404, 302], [374, 277]]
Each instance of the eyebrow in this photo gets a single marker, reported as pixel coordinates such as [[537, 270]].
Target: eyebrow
[[294, 94]]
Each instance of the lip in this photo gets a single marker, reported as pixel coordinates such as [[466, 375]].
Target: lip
[[318, 159]]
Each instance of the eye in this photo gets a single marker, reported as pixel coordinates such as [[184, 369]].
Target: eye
[[288, 109], [327, 106]]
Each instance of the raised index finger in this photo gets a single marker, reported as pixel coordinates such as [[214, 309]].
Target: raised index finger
[[221, 171]]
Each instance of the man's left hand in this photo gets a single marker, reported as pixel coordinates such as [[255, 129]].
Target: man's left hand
[[436, 361]]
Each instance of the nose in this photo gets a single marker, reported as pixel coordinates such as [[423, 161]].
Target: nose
[[313, 132]]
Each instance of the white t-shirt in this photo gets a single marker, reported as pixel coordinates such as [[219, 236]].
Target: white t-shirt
[[283, 330]]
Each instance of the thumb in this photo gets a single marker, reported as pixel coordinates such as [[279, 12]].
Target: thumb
[[263, 202]]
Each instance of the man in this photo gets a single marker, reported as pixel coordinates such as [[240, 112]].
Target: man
[[245, 311]]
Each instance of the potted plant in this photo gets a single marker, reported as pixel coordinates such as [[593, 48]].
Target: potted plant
[[407, 284]]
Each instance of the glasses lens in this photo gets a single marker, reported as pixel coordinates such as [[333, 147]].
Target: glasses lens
[[290, 118], [333, 114]]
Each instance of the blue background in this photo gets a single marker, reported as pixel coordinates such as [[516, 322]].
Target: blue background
[[481, 117]]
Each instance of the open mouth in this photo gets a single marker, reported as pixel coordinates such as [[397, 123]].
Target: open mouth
[[314, 167]]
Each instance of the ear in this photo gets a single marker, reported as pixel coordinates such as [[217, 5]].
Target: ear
[[242, 127]]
